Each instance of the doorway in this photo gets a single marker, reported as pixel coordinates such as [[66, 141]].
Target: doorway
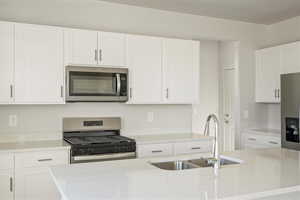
[[229, 94], [228, 109]]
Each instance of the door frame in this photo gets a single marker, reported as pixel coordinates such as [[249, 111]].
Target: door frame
[[236, 113]]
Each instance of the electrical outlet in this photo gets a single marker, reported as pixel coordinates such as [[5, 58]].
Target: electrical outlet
[[12, 120], [150, 116]]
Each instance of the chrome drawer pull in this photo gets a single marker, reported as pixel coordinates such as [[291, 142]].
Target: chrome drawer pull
[[157, 151], [271, 142], [44, 160], [196, 148], [252, 139], [11, 184]]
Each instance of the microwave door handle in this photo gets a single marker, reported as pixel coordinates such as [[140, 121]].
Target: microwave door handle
[[118, 84]]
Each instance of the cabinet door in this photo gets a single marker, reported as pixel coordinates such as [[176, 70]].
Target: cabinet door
[[38, 64], [268, 75], [144, 56], [290, 58], [6, 185], [111, 49], [35, 184], [81, 47], [6, 62], [180, 70]]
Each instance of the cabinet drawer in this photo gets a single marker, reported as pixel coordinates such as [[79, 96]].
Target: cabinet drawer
[[272, 141], [192, 147], [253, 139], [41, 158], [153, 150], [261, 141], [6, 161]]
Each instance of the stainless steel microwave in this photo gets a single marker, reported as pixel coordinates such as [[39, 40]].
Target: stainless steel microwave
[[96, 84]]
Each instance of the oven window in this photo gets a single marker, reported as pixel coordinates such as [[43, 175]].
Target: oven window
[[92, 84]]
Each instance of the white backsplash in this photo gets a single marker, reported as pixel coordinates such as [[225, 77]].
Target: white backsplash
[[274, 116], [39, 122]]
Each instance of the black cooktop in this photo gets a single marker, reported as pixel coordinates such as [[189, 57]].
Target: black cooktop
[[90, 140]]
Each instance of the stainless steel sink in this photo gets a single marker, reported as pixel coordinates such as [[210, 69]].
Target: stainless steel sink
[[206, 162], [175, 165], [191, 164]]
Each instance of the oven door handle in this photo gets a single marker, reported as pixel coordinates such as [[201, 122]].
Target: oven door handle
[[104, 157], [118, 84]]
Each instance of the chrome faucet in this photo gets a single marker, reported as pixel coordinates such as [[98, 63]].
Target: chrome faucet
[[216, 157]]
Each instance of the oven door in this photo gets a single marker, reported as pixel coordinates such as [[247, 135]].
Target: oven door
[[103, 157], [96, 84]]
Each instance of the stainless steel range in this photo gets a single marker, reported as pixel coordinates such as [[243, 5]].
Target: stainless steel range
[[97, 139]]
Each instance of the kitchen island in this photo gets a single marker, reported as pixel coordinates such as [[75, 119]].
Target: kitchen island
[[262, 173]]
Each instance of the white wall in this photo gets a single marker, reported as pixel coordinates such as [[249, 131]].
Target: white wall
[[209, 85], [94, 14]]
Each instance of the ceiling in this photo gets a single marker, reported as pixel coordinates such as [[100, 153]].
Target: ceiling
[[255, 11]]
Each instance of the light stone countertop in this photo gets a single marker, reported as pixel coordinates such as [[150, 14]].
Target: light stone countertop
[[263, 173], [169, 138], [14, 147]]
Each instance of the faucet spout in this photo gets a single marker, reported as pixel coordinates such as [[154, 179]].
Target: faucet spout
[[216, 156]]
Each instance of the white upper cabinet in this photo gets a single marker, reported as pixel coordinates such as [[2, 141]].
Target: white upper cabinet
[[268, 70], [6, 62], [84, 47], [144, 57], [81, 47], [111, 49], [38, 64], [270, 63], [180, 71], [290, 58], [32, 60]]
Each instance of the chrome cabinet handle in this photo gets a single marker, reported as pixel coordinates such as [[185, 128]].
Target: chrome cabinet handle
[[130, 93], [11, 184], [96, 55], [275, 93], [272, 142], [167, 93], [196, 148], [252, 139], [157, 151], [45, 160], [11, 91], [62, 91], [118, 84], [100, 55]]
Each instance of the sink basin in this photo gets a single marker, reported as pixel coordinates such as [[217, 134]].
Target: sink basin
[[205, 162], [174, 165], [195, 163]]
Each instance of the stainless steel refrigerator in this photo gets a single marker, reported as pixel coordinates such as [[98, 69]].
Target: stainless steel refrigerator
[[290, 110]]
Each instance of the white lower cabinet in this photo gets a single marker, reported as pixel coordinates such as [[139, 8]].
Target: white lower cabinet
[[6, 184], [33, 178], [256, 141], [172, 149], [35, 184], [6, 176], [26, 175]]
